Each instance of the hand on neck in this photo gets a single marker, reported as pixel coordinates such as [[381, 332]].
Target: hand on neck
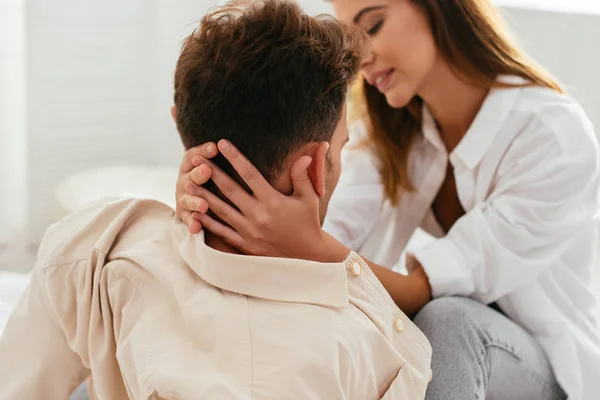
[[216, 243]]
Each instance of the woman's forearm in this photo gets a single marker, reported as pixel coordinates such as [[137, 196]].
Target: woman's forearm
[[410, 292]]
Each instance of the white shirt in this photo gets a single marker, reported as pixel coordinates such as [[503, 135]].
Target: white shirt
[[124, 294], [527, 174]]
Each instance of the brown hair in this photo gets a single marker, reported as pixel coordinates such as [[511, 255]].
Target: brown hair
[[471, 37], [267, 77]]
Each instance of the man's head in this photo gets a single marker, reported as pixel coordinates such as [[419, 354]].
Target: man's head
[[273, 81]]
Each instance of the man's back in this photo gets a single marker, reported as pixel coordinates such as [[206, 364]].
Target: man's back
[[155, 313]]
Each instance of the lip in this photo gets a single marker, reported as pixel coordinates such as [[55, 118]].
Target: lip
[[381, 79]]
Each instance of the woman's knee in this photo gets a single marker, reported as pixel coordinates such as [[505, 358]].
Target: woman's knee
[[447, 312]]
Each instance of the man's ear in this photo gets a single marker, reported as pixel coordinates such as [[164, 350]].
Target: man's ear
[[174, 113], [318, 168]]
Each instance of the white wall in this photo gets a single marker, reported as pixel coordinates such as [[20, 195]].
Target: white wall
[[100, 77], [99, 86], [315, 7], [12, 118], [565, 43], [100, 89]]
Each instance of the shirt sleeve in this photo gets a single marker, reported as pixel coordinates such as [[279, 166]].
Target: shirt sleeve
[[37, 361], [545, 192], [357, 200]]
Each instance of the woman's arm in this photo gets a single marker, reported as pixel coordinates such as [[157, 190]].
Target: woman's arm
[[543, 198], [269, 223]]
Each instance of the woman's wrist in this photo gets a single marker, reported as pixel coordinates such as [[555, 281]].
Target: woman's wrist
[[410, 292], [329, 250]]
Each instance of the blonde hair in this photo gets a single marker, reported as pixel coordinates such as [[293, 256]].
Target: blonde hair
[[471, 37]]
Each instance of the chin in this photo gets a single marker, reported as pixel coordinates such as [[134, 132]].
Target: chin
[[398, 98]]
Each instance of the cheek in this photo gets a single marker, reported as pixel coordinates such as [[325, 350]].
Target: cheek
[[414, 52], [414, 59], [424, 53]]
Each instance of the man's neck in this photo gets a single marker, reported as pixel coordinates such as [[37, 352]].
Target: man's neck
[[215, 242]]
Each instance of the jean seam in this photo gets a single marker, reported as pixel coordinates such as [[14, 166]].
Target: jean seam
[[539, 378]]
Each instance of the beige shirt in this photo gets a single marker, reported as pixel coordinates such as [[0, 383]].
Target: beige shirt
[[124, 293]]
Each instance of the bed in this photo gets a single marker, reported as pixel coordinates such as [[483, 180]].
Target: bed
[[12, 285]]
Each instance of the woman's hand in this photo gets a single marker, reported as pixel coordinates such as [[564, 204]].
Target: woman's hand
[[268, 223], [193, 173]]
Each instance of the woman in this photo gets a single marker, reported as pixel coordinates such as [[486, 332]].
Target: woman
[[465, 137]]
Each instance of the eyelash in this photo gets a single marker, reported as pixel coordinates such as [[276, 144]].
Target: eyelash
[[372, 31]]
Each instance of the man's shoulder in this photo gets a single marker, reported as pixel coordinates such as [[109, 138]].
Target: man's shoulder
[[99, 226]]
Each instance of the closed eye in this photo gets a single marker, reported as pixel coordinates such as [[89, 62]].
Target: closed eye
[[375, 28]]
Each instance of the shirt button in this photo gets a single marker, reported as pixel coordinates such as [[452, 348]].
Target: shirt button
[[399, 324], [355, 268]]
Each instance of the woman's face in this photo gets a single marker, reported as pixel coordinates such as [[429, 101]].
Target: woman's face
[[402, 54]]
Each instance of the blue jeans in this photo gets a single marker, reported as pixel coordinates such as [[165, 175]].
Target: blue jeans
[[81, 393], [479, 353]]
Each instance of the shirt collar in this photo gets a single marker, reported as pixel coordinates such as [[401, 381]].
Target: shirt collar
[[487, 124], [278, 279]]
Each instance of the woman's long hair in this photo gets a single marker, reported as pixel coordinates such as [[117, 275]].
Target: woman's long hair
[[472, 39]]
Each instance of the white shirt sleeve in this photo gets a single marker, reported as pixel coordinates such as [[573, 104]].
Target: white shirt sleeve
[[357, 200], [542, 194]]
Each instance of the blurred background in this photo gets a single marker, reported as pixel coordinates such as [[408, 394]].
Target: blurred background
[[86, 88]]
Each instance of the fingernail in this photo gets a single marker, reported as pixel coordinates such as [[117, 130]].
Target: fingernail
[[210, 148], [196, 161], [224, 144], [199, 207]]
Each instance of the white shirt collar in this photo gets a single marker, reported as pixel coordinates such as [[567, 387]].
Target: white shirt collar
[[489, 120]]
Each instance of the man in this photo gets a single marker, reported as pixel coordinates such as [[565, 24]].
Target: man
[[122, 293]]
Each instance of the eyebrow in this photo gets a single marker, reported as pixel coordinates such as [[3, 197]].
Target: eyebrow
[[364, 11]]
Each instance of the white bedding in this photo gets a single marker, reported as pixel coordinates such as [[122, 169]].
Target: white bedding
[[12, 286], [4, 313]]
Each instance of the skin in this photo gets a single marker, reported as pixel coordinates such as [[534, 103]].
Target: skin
[[402, 44]]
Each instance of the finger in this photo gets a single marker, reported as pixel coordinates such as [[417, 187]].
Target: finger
[[226, 233], [192, 203], [224, 211], [191, 188], [193, 156], [255, 181], [232, 190], [301, 182], [195, 226], [186, 217], [200, 174]]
